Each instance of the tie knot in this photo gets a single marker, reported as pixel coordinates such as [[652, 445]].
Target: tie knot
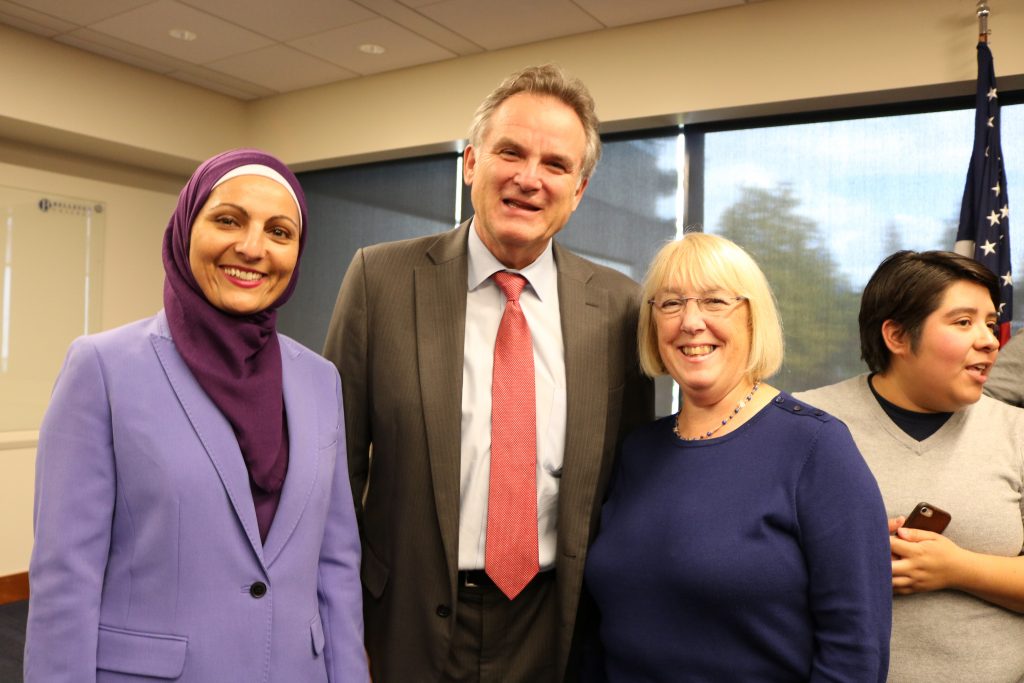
[[511, 283]]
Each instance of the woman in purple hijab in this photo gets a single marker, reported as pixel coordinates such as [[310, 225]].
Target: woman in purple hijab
[[194, 520]]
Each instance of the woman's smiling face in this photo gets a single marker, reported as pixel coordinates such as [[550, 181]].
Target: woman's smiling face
[[245, 244], [706, 354]]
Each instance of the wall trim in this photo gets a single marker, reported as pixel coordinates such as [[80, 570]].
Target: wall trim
[[10, 441], [13, 588]]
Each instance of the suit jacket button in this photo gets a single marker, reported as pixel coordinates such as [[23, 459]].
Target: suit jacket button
[[258, 589], [444, 611]]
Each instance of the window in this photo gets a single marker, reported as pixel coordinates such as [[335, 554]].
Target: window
[[355, 206], [818, 203]]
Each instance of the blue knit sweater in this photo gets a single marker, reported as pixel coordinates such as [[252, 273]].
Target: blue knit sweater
[[761, 555]]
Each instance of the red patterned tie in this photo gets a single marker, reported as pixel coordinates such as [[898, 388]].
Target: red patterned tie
[[511, 553]]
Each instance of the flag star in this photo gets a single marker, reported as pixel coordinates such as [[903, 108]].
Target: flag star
[[1002, 305], [997, 189], [986, 152], [993, 218], [1007, 279], [989, 248], [992, 94], [991, 122], [1005, 211]]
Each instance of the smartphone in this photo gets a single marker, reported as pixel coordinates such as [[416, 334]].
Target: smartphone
[[928, 517]]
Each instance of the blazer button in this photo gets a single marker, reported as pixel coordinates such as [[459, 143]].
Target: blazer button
[[444, 611], [258, 589]]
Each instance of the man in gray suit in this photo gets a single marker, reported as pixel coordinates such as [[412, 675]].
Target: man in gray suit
[[416, 334]]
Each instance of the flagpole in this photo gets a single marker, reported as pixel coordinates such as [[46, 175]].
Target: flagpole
[[983, 231]]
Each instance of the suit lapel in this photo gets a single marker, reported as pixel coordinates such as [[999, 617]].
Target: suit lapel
[[585, 336], [584, 310], [213, 431], [302, 410], [440, 293]]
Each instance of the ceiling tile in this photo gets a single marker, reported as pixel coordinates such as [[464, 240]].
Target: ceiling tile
[[83, 13], [212, 80], [256, 48], [76, 39], [341, 46], [26, 25], [496, 24], [281, 68], [104, 45], [286, 20], [149, 26], [618, 13], [427, 28], [19, 16], [418, 3]]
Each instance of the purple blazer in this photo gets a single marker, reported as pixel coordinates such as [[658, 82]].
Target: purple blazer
[[148, 562]]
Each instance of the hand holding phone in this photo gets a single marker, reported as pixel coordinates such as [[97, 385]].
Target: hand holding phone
[[928, 517]]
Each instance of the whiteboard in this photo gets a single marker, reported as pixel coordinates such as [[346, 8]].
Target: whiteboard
[[51, 256]]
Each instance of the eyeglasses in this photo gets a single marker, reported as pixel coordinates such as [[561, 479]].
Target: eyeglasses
[[671, 306]]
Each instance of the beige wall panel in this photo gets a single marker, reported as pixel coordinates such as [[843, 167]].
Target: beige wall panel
[[132, 289], [766, 57], [54, 93], [16, 509]]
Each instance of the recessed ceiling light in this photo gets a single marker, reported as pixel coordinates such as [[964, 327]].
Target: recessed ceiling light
[[372, 49], [183, 34]]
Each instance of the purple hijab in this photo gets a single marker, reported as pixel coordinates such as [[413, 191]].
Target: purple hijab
[[235, 358]]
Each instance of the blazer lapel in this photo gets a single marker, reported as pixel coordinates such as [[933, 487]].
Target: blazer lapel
[[440, 293], [213, 431], [302, 409], [584, 312], [585, 336]]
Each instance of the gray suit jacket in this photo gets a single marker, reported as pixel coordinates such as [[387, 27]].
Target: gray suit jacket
[[397, 337]]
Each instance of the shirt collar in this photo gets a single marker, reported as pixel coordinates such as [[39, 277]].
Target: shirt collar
[[541, 274]]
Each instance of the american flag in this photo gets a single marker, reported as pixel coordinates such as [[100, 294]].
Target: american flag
[[984, 231]]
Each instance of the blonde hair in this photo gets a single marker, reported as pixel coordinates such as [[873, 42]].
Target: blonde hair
[[705, 262]]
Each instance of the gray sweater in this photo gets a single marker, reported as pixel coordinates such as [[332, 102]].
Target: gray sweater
[[973, 467]]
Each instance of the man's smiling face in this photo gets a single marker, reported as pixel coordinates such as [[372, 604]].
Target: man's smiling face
[[525, 176]]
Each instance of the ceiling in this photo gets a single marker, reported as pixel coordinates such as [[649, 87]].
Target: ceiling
[[257, 48]]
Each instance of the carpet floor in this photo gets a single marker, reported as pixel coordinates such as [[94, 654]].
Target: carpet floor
[[12, 640]]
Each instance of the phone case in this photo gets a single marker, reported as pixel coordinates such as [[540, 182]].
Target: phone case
[[928, 517]]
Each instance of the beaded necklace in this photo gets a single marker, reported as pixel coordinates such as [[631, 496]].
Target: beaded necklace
[[739, 406]]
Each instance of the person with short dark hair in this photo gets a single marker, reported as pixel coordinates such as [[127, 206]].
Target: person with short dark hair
[[489, 375], [927, 327], [743, 538]]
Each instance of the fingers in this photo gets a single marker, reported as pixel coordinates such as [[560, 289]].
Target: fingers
[[895, 523], [903, 580], [916, 535], [901, 570], [901, 548]]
